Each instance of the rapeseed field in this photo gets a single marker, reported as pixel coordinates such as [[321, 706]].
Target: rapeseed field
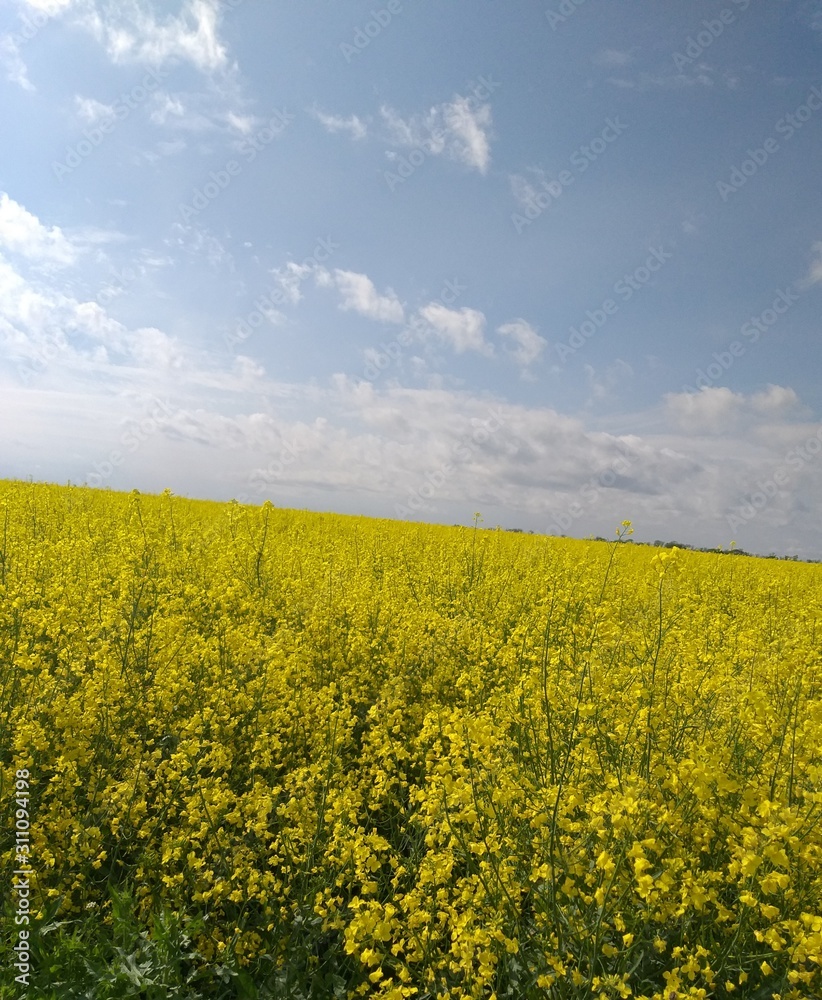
[[271, 753]]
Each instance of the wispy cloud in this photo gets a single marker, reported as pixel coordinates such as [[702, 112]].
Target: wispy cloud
[[244, 124], [12, 61], [130, 32], [814, 276], [91, 110], [353, 125], [51, 7], [611, 58], [699, 74], [460, 129], [526, 190], [166, 108]]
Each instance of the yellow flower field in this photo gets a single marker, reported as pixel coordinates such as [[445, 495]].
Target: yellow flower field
[[277, 753]]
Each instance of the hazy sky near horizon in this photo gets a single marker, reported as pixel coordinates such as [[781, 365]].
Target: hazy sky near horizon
[[559, 263]]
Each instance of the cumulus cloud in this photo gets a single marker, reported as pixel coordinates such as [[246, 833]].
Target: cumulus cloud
[[23, 233], [717, 409], [461, 329], [247, 368], [359, 294], [43, 325], [438, 453], [152, 348]]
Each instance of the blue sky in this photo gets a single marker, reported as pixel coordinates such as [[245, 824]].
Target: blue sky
[[560, 263]]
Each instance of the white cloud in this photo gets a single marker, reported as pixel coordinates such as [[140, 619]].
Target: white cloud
[[373, 448], [289, 279], [154, 349], [244, 124], [132, 33], [462, 329], [49, 332], [199, 112], [470, 128], [360, 295], [247, 368], [166, 107], [50, 7], [529, 343], [353, 125], [719, 410], [91, 110], [459, 129], [777, 401], [23, 233], [10, 57], [815, 272]]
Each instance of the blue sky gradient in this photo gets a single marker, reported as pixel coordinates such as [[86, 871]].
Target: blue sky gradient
[[560, 263]]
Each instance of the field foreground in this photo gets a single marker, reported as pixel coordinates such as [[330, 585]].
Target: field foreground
[[280, 754]]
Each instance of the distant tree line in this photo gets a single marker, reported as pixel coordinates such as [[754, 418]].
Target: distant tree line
[[658, 544]]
